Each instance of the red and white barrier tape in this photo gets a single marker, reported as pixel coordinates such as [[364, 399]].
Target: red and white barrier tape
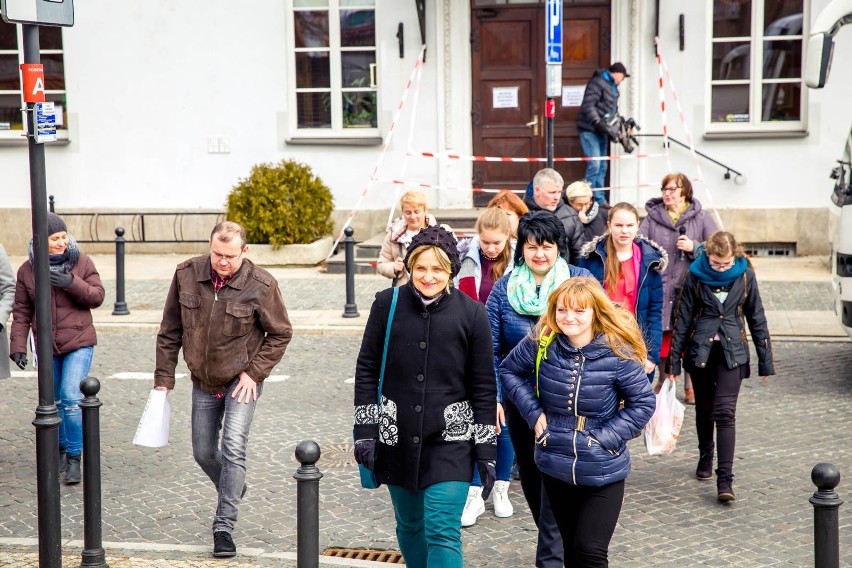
[[469, 158], [381, 157], [663, 113], [423, 185]]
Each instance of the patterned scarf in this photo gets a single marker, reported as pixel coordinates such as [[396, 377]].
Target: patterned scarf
[[521, 288], [60, 262]]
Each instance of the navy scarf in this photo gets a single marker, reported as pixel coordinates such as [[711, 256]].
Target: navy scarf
[[700, 267]]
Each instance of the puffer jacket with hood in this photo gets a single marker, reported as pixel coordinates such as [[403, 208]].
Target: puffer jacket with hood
[[600, 98], [470, 275], [588, 382], [649, 296], [657, 226]]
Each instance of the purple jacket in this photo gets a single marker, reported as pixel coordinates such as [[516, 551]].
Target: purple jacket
[[657, 226]]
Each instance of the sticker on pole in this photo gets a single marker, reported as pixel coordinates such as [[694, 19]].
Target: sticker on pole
[[38, 12], [553, 28], [45, 122], [33, 76]]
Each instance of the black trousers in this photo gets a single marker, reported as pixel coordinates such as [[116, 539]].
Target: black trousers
[[549, 552], [586, 517], [716, 391]]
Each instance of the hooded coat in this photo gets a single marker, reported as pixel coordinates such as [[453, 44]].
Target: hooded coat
[[599, 98], [649, 294], [697, 223]]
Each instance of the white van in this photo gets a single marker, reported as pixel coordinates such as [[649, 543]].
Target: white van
[[841, 241]]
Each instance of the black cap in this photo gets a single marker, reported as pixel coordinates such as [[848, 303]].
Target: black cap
[[438, 236], [618, 67]]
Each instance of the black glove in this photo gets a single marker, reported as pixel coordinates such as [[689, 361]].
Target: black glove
[[487, 475], [600, 127], [60, 279], [365, 453], [20, 359]]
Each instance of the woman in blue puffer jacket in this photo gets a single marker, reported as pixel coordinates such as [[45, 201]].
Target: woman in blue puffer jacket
[[567, 381]]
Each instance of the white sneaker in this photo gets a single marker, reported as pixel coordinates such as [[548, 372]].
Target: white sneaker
[[500, 498], [473, 507]]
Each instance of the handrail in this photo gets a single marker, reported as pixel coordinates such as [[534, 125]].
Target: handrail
[[138, 222], [739, 179]]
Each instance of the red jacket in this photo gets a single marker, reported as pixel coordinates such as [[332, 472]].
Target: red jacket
[[71, 308]]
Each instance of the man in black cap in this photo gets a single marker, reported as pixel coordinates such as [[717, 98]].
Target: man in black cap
[[599, 100]]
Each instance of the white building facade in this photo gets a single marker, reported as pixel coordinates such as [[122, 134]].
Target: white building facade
[[165, 107]]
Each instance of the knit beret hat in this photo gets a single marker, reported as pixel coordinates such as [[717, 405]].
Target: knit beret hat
[[438, 236], [55, 224]]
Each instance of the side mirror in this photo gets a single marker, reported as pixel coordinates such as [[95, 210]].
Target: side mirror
[[818, 61]]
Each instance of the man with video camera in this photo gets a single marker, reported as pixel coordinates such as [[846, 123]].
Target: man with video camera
[[600, 103]]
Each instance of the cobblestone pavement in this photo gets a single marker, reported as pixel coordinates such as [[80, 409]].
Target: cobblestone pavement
[[799, 418], [328, 292]]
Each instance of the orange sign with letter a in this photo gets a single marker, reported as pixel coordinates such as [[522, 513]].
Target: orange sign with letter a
[[33, 76]]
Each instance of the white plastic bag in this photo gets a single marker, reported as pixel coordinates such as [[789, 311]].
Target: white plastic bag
[[663, 429], [153, 430]]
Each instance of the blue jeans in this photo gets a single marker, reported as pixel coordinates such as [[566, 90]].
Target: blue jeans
[[595, 145], [224, 462], [505, 458], [428, 524], [68, 371]]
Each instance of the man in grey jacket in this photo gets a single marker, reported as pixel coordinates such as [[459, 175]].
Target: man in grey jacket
[[547, 194], [7, 298]]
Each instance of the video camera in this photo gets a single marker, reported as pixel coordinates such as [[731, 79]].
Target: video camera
[[620, 129]]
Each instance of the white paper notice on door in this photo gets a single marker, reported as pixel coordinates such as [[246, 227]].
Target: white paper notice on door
[[572, 95], [505, 97]]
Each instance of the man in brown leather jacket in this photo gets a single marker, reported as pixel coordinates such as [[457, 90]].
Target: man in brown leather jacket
[[229, 317]]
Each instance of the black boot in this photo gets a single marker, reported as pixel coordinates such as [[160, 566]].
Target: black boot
[[704, 471], [72, 472], [63, 457], [725, 486]]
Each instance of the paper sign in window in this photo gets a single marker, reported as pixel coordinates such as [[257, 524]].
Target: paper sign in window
[[505, 97], [572, 95]]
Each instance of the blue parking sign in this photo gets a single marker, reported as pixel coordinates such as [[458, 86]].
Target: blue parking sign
[[553, 29]]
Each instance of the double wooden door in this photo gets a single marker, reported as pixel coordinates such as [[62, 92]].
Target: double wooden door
[[507, 46]]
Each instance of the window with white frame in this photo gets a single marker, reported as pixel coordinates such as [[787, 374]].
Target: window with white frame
[[12, 122], [756, 82], [333, 79]]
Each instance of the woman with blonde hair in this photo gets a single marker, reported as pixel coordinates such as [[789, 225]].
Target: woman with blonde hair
[[513, 206], [487, 259], [719, 296], [587, 355], [414, 217]]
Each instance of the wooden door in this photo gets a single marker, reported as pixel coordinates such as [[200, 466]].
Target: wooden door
[[508, 68]]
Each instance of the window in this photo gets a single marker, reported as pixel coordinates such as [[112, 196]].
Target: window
[[11, 97], [756, 80], [333, 64]]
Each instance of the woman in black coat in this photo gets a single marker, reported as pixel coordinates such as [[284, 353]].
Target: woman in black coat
[[438, 413], [718, 296]]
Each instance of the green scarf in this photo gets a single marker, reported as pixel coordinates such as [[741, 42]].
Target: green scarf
[[522, 287]]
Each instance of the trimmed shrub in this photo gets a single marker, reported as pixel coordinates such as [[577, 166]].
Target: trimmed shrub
[[281, 204]]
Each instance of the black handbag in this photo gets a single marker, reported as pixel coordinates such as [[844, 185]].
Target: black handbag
[[368, 476]]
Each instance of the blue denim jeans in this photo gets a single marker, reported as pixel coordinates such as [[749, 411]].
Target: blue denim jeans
[[428, 524], [68, 371], [595, 145], [223, 461]]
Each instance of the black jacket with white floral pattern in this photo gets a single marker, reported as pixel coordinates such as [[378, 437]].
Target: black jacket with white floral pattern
[[439, 395]]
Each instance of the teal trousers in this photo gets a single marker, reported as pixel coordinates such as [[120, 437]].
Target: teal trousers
[[428, 524]]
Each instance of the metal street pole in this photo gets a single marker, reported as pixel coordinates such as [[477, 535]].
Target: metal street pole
[[47, 420], [549, 114]]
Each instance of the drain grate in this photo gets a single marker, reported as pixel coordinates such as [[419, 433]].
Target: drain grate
[[388, 556]]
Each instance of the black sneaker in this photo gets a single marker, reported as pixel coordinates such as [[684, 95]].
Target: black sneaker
[[223, 545]]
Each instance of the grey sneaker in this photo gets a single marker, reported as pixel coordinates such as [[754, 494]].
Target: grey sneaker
[[223, 545]]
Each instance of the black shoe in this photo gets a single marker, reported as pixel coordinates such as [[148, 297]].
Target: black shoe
[[704, 471], [63, 460], [725, 486], [223, 545], [516, 471], [72, 470]]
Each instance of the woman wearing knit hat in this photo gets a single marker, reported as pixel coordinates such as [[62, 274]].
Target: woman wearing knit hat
[[437, 416], [75, 289], [593, 216]]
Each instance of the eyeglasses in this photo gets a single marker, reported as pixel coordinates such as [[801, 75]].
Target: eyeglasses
[[670, 189], [721, 266], [226, 257]]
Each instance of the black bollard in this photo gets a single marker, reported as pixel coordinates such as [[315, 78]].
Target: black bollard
[[350, 310], [826, 516], [51, 206], [120, 306], [307, 504], [93, 552]]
